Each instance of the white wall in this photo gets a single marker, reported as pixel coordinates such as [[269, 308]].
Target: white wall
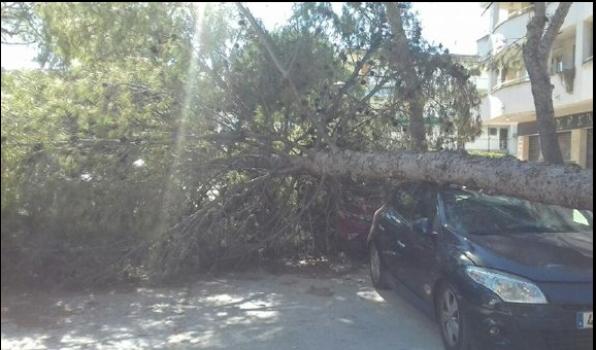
[[517, 98]]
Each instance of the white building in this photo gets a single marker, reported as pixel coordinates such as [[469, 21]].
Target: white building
[[507, 108]]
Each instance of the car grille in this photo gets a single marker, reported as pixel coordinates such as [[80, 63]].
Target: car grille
[[569, 340]]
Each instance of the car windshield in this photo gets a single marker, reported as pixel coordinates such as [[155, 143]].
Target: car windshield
[[481, 214]]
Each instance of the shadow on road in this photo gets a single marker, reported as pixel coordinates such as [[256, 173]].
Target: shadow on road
[[261, 312]]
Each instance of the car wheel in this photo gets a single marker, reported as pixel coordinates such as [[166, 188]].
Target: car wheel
[[378, 274], [452, 319]]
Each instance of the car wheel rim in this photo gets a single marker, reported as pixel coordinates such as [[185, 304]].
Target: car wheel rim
[[375, 264], [450, 318]]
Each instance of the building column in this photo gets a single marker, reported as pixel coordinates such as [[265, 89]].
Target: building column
[[523, 147], [579, 142], [513, 140]]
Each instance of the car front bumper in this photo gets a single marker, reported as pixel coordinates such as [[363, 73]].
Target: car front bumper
[[541, 327]]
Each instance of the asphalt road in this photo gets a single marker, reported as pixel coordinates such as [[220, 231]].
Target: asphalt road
[[245, 311]]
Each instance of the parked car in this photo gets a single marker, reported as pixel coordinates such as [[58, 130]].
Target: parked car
[[496, 272], [355, 213], [353, 226]]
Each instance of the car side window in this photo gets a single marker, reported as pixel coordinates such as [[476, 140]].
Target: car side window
[[428, 203], [406, 202], [415, 202], [391, 216]]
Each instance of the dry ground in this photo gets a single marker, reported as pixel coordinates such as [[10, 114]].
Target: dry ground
[[239, 311]]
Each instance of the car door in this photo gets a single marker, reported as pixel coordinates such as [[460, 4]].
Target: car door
[[390, 228], [397, 226], [420, 261]]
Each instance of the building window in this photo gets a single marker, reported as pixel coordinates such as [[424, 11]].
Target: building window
[[565, 145], [512, 71], [506, 10], [557, 64], [534, 153], [492, 131], [504, 139], [563, 53]]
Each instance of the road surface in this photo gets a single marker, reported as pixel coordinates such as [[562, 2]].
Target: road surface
[[243, 311]]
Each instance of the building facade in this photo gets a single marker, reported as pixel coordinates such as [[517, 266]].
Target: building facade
[[507, 107]]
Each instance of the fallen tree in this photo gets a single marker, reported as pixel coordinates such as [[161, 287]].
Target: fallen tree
[[212, 142], [568, 186], [216, 234], [564, 185], [332, 156]]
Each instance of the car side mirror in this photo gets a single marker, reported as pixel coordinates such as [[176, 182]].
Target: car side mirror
[[424, 226]]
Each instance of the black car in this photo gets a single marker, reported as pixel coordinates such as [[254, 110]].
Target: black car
[[496, 272]]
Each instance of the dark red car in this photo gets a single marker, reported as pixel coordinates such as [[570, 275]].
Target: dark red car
[[353, 224]]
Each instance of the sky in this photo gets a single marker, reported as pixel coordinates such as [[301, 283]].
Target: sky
[[456, 25]]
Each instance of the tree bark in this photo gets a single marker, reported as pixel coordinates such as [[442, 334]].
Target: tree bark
[[568, 186], [536, 52], [416, 127], [403, 59], [545, 113]]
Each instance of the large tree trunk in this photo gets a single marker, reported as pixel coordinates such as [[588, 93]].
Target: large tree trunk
[[403, 59], [542, 91], [536, 53], [567, 186], [416, 127]]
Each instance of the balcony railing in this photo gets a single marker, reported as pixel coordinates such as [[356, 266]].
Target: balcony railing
[[493, 144]]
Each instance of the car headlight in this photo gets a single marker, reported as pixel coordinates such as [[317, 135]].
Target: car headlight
[[511, 289]]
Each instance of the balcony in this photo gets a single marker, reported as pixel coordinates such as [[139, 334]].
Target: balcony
[[510, 20], [509, 32], [507, 11]]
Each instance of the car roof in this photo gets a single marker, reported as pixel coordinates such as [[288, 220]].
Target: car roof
[[440, 187]]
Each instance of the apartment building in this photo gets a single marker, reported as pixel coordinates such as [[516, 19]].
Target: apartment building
[[507, 107]]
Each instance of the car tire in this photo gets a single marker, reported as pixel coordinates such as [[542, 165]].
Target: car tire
[[452, 319], [378, 275]]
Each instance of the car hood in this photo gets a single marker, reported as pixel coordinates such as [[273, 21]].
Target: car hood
[[541, 257]]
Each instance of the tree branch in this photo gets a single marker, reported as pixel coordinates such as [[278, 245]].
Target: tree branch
[[264, 38], [405, 62], [555, 25], [270, 48]]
